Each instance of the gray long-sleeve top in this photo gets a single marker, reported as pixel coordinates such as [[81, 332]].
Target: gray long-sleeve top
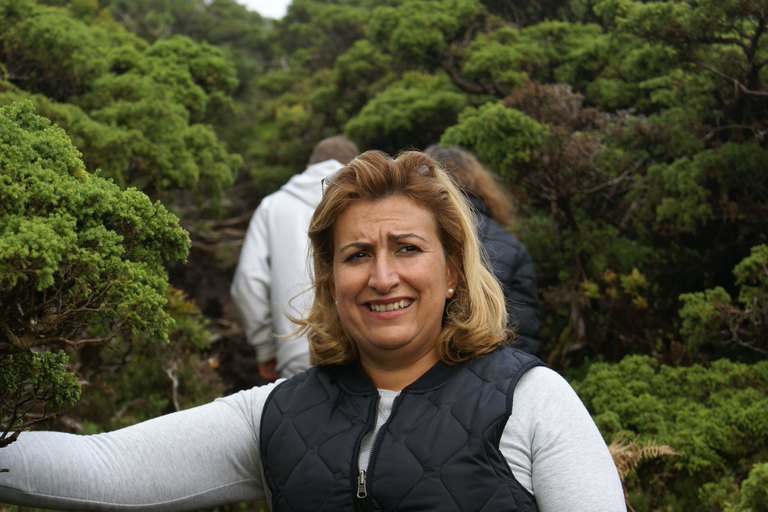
[[209, 456]]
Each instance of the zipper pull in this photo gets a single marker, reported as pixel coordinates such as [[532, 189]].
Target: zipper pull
[[361, 492]]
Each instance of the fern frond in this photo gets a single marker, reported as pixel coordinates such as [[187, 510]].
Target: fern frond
[[628, 453]]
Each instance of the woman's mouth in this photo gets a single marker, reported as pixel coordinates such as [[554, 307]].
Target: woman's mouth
[[389, 307]]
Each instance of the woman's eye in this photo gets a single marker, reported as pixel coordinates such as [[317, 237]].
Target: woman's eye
[[355, 256], [410, 248]]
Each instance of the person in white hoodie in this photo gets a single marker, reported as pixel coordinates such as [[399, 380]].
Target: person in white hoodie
[[272, 276]]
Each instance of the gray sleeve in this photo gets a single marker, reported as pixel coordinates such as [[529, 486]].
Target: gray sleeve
[[555, 450], [193, 459]]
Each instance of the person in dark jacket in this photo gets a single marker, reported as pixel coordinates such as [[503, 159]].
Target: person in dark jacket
[[511, 262]]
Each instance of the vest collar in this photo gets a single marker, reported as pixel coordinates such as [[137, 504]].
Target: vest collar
[[353, 379]]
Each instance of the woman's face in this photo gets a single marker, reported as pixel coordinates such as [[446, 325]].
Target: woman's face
[[391, 280]]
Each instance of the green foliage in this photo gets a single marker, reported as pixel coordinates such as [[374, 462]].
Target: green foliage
[[752, 275], [572, 53], [719, 40], [194, 72], [146, 379], [224, 23], [554, 153], [138, 112], [285, 132], [702, 313], [529, 13], [712, 317], [616, 317], [630, 285], [713, 185], [502, 137], [33, 382], [313, 84], [75, 247], [50, 52], [314, 34], [419, 31], [358, 75], [411, 114], [159, 103], [75, 250], [754, 491], [495, 59], [259, 506], [713, 416]]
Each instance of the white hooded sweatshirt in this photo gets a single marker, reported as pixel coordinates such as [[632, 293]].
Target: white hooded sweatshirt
[[273, 274]]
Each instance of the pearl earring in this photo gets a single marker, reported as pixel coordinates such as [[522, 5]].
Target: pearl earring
[[450, 292]]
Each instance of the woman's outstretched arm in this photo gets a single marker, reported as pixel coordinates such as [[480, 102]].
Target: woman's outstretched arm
[[197, 458]]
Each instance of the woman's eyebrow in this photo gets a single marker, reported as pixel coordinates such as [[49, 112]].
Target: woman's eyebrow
[[355, 245], [393, 238], [400, 237]]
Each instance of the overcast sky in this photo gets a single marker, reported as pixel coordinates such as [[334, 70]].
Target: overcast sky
[[267, 8]]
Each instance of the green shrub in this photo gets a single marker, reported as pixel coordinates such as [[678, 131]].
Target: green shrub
[[77, 256], [144, 379], [754, 491], [711, 317], [714, 417]]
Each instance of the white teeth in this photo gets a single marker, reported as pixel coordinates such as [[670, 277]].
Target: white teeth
[[390, 307]]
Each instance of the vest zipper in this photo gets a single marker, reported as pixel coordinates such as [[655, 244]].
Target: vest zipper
[[362, 491]]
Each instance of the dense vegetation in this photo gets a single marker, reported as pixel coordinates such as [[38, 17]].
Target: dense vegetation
[[630, 133]]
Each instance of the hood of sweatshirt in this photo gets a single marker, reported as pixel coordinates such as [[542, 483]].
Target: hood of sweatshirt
[[306, 186]]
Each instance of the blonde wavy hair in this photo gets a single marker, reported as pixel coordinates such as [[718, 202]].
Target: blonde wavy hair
[[475, 317]]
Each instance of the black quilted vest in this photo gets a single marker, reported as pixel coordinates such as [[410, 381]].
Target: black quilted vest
[[439, 450]]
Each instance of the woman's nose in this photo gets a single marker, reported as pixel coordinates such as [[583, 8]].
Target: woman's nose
[[384, 276]]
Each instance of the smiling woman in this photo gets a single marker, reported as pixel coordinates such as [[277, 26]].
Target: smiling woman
[[411, 324], [409, 406], [411, 187], [391, 282], [388, 230]]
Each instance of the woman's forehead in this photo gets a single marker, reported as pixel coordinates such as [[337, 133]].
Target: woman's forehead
[[395, 215]]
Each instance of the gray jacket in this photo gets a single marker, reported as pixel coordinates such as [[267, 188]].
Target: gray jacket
[[272, 276]]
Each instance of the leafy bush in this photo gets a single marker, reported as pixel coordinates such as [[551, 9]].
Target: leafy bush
[[410, 114], [140, 112], [714, 417], [77, 255], [135, 379], [754, 491], [503, 137], [712, 317]]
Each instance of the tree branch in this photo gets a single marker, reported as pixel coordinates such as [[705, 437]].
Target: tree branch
[[79, 343], [736, 83]]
